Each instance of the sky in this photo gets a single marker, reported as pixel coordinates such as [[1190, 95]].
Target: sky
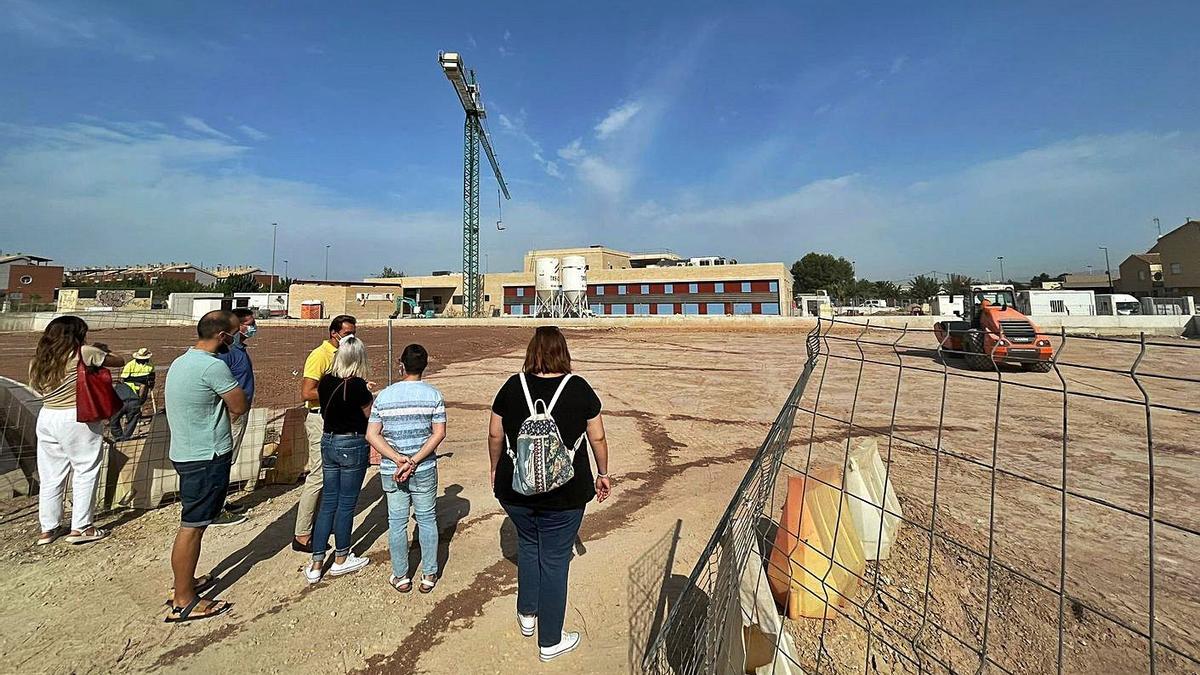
[[907, 137]]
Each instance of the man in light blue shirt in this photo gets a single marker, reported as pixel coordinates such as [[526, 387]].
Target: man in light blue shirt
[[407, 423]]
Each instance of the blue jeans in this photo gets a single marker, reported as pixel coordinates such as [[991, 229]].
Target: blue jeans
[[344, 459], [420, 493], [544, 540]]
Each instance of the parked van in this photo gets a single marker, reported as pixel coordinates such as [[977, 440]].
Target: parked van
[[1117, 304]]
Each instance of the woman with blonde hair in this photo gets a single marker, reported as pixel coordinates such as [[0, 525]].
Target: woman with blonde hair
[[65, 445], [345, 403]]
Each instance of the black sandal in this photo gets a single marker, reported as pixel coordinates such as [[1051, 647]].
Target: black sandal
[[201, 584], [182, 614]]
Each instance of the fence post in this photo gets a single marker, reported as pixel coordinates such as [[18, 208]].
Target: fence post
[[389, 355]]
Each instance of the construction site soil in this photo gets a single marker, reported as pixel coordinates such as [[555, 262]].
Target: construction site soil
[[685, 411]]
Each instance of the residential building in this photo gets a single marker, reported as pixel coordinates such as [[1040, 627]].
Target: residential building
[[1097, 283], [27, 279], [1179, 255], [1141, 276]]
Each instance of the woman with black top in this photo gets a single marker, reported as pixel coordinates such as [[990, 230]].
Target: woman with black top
[[547, 523], [345, 404]]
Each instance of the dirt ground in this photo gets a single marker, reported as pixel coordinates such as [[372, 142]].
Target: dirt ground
[[685, 412]]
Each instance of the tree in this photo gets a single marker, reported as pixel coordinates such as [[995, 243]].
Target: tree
[[922, 288], [388, 272], [959, 284], [821, 271], [887, 290], [238, 283]]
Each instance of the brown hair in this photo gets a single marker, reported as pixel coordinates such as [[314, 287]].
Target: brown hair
[[547, 352], [60, 341]]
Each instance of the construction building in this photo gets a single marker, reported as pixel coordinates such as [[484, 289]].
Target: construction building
[[618, 283], [372, 299], [27, 279]]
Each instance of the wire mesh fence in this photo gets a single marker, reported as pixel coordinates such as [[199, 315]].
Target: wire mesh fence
[[908, 514]]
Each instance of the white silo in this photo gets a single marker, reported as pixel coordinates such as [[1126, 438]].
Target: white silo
[[547, 288], [574, 285]]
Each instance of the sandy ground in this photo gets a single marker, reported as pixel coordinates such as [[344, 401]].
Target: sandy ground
[[685, 411]]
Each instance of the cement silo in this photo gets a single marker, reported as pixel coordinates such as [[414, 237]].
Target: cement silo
[[574, 285], [547, 288]]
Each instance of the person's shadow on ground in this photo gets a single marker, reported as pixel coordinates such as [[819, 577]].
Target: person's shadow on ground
[[450, 509], [277, 536]]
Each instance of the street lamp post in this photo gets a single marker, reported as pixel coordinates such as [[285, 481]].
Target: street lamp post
[[285, 272], [327, 261], [274, 234], [989, 276], [1107, 268], [1002, 277]]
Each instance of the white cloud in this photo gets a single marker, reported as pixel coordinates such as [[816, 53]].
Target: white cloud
[[603, 177], [507, 35], [573, 151], [503, 51], [252, 133], [56, 26], [198, 125], [471, 41], [617, 118], [516, 128], [81, 193]]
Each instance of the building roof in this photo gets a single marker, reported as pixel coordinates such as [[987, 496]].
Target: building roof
[[1189, 224], [1151, 258], [322, 282], [226, 272], [1086, 281], [12, 257]]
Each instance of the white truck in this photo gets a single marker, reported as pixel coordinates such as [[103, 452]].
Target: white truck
[[1117, 304]]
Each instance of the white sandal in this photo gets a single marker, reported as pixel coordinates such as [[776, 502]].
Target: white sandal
[[401, 584], [85, 538], [428, 582]]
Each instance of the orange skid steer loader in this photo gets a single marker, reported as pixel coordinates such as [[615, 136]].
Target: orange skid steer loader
[[991, 332]]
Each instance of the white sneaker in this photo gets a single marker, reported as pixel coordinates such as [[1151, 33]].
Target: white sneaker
[[527, 623], [569, 642], [353, 564], [313, 576]]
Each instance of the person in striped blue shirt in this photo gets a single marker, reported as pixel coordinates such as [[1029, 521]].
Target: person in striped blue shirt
[[407, 423]]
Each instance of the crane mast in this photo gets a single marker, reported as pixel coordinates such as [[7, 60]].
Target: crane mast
[[474, 135]]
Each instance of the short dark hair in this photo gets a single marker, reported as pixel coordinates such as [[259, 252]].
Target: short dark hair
[[336, 325], [547, 352], [243, 313], [415, 359], [214, 323]]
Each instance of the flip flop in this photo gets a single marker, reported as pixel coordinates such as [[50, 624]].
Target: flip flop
[[47, 538], [182, 614], [201, 584]]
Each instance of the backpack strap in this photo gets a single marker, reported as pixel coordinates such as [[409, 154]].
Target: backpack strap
[[562, 385], [528, 398]]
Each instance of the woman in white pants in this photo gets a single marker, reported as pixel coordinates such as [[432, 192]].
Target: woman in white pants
[[65, 446]]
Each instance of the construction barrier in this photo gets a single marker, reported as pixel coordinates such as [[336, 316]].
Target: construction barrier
[[817, 559]]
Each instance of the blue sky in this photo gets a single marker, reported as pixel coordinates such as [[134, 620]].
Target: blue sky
[[907, 139]]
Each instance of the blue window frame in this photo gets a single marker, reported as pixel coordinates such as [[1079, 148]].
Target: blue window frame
[[743, 308], [600, 289], [621, 289], [618, 310], [770, 308], [745, 286], [597, 309], [693, 288], [691, 308], [645, 289], [665, 308], [774, 286], [520, 292], [668, 289], [516, 310], [716, 308], [719, 287], [642, 309]]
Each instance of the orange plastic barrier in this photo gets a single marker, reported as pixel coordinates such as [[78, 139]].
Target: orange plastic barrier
[[800, 572], [310, 310]]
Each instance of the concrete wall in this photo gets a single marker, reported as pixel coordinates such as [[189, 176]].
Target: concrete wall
[[341, 298], [37, 321], [116, 299]]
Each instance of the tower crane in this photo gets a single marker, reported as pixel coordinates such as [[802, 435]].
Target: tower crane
[[474, 135]]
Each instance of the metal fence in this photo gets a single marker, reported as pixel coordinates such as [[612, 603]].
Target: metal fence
[[1047, 522]]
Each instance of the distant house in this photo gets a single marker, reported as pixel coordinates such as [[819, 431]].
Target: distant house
[[27, 278], [1141, 276], [1086, 282], [1179, 256]]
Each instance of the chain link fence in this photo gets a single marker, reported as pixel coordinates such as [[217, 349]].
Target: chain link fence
[[1015, 521]]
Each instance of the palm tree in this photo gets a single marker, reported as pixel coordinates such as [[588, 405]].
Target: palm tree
[[959, 284], [922, 288]]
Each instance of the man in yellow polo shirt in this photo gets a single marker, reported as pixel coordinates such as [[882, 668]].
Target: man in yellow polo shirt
[[318, 363]]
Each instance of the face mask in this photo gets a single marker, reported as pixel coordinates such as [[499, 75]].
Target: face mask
[[250, 331], [338, 338]]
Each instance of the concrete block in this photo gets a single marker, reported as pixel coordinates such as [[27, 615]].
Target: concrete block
[[810, 540], [873, 503]]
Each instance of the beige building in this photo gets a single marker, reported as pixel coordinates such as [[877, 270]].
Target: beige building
[[1141, 275], [1179, 255], [373, 299], [619, 283]]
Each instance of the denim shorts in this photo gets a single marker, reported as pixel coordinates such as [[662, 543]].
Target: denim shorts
[[203, 486]]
